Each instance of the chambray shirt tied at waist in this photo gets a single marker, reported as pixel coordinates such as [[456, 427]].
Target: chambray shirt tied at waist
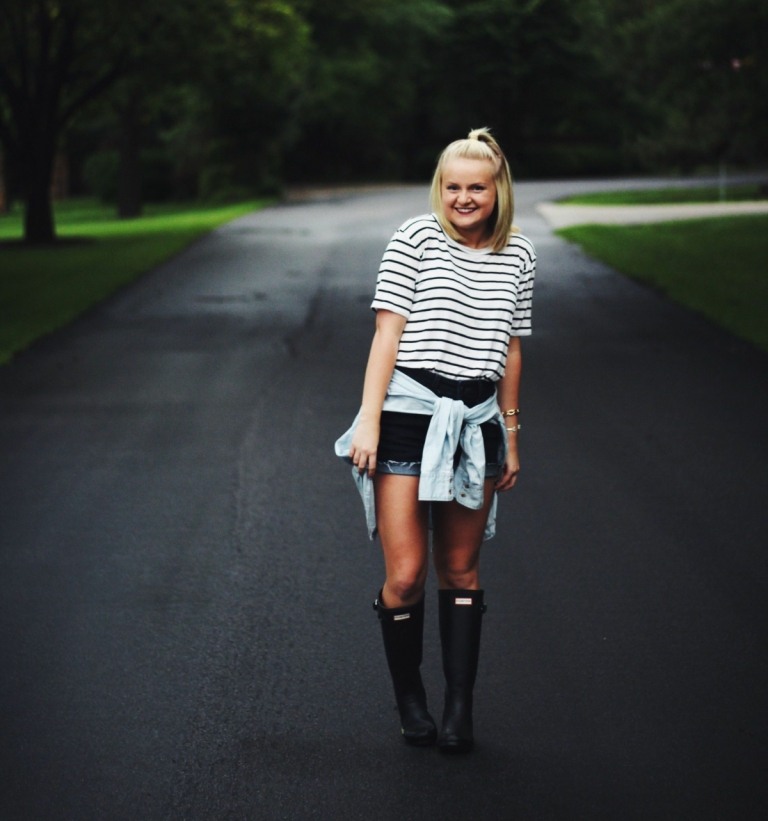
[[453, 425]]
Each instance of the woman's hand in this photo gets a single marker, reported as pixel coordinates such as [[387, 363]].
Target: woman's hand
[[511, 467], [365, 441]]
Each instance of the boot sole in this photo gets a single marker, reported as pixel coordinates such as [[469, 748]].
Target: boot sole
[[455, 748], [420, 741]]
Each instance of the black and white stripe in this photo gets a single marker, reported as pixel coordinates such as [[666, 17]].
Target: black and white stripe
[[462, 305]]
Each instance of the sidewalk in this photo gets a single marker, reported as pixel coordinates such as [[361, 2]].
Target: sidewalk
[[563, 216]]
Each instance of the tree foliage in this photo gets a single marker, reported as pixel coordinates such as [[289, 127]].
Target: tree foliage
[[525, 69], [233, 57], [365, 77], [695, 74], [232, 97]]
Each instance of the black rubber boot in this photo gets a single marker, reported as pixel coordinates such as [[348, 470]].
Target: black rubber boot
[[402, 629], [461, 616]]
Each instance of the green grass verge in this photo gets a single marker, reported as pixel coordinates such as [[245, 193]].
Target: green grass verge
[[668, 196], [42, 289], [713, 266]]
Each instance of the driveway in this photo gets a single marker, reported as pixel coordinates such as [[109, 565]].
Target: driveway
[[185, 580]]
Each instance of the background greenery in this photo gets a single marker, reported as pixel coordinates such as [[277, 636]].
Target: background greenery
[[41, 291], [152, 100], [714, 266], [218, 101]]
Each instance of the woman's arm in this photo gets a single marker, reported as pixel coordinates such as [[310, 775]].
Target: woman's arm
[[381, 363], [508, 393]]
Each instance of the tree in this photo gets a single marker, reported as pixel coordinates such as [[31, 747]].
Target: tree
[[254, 65], [527, 70], [361, 113], [216, 96], [393, 80], [57, 57], [694, 74]]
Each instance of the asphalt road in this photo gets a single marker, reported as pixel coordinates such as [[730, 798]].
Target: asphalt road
[[186, 628]]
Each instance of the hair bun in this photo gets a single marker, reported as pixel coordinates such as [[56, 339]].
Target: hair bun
[[483, 135]]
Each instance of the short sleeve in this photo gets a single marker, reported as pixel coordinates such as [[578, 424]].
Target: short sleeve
[[396, 282], [521, 319]]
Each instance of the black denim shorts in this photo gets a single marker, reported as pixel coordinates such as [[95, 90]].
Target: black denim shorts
[[401, 441]]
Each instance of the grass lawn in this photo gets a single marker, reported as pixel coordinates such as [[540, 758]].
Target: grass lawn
[[668, 196], [716, 266], [44, 288]]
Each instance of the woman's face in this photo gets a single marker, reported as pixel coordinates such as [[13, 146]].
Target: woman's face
[[469, 197]]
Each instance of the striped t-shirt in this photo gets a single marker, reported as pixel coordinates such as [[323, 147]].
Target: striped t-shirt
[[462, 305]]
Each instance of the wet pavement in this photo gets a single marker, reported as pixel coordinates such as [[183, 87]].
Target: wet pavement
[[185, 580]]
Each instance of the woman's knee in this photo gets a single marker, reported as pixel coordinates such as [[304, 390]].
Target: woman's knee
[[404, 587], [459, 579], [457, 570]]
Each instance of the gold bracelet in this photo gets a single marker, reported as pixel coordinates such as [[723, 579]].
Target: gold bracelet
[[511, 412], [514, 428]]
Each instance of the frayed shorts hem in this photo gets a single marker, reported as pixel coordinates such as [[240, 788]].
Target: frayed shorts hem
[[414, 468]]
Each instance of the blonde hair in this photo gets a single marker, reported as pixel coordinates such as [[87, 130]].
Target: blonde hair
[[479, 145]]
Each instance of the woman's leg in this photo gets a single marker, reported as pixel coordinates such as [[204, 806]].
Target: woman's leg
[[458, 536], [402, 522], [403, 531]]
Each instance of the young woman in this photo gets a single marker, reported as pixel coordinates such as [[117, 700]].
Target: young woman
[[436, 435]]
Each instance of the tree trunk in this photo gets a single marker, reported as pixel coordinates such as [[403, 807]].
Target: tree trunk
[[38, 212], [129, 171], [4, 205], [38, 215]]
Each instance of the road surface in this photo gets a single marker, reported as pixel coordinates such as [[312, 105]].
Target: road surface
[[186, 628]]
